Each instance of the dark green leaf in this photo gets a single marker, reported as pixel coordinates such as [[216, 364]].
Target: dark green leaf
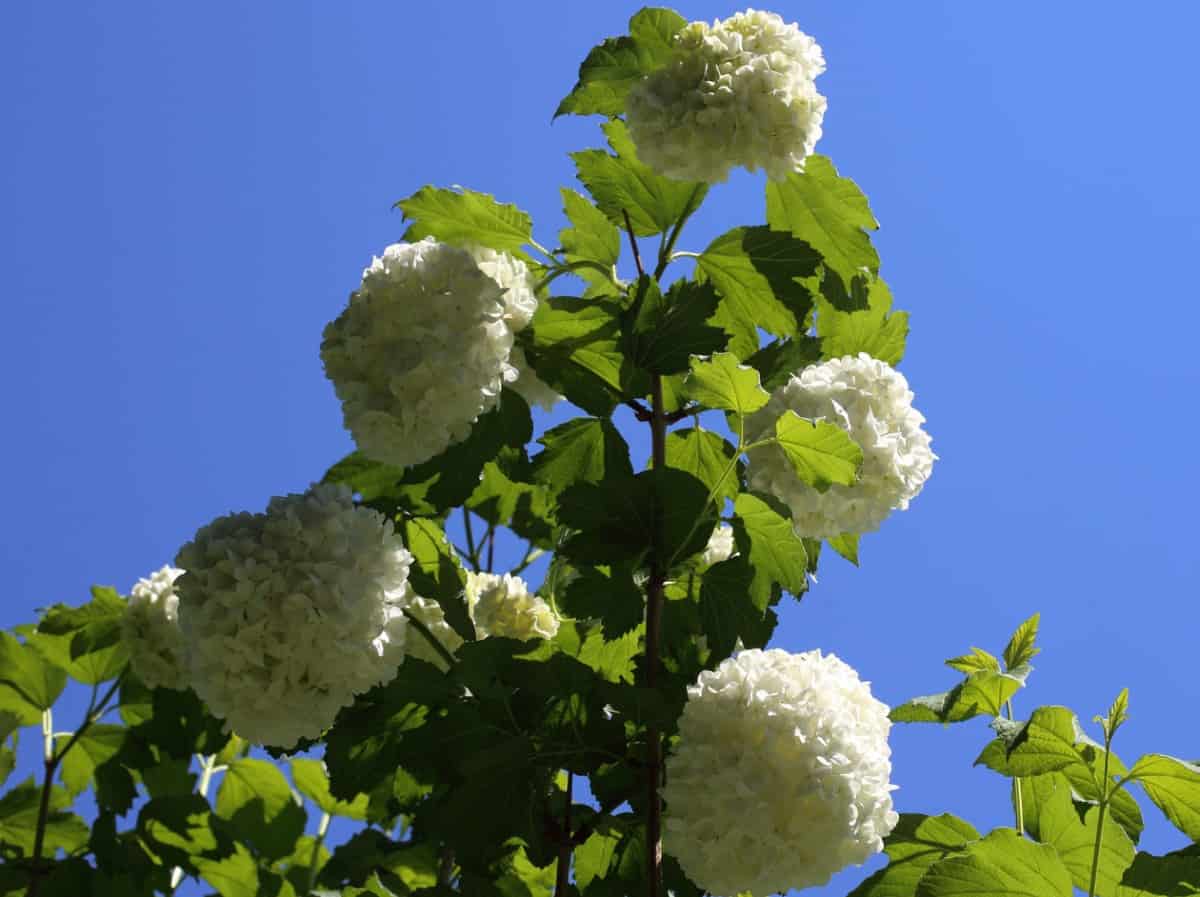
[[1173, 875], [29, 683], [616, 518], [821, 453], [436, 573], [620, 183], [463, 217], [668, 330], [731, 609], [576, 350], [178, 828], [721, 382], [97, 745], [583, 450], [755, 269], [873, 328], [257, 801], [1174, 786], [19, 816], [707, 457], [770, 545], [1001, 865], [778, 361], [915, 844], [610, 597], [829, 213], [612, 68]]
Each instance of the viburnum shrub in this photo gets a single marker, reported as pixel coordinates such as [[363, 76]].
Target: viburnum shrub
[[346, 639]]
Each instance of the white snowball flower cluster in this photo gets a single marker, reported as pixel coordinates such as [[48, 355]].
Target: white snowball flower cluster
[[739, 92], [287, 615], [720, 546], [512, 276], [503, 606], [150, 627], [423, 348], [780, 776], [871, 401]]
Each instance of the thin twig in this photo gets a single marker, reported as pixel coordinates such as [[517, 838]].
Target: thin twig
[[429, 636], [637, 256], [565, 843], [654, 606]]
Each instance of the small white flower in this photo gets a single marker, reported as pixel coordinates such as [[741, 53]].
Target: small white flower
[[150, 627], [417, 645], [871, 401], [503, 606], [780, 777], [287, 615], [720, 545], [739, 92]]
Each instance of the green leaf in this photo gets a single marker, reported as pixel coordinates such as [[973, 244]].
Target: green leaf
[[1021, 648], [85, 641], [592, 237], [1001, 865], [779, 360], [436, 573], [1174, 786], [620, 183], [96, 746], [257, 801], [179, 828], [1046, 743], [873, 328], [821, 453], [668, 330], [29, 683], [774, 552], [463, 217], [707, 457], [576, 349], [755, 269], [978, 661], [616, 518], [982, 693], [915, 844], [1087, 782], [846, 545], [583, 450], [612, 68], [313, 782], [612, 861], [19, 816], [732, 609], [233, 876], [829, 213], [1059, 825], [610, 597], [1173, 875], [1118, 713], [721, 382]]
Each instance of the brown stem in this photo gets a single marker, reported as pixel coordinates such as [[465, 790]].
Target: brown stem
[[565, 843], [654, 607]]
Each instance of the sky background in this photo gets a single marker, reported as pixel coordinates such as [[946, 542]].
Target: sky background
[[190, 192]]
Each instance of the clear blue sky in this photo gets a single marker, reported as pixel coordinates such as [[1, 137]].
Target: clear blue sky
[[190, 191]]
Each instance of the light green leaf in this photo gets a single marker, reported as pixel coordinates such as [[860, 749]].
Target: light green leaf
[[1118, 713], [29, 683], [313, 782], [707, 457], [846, 545], [1021, 648], [620, 183], [463, 217], [583, 450], [1046, 743], [874, 328], [19, 815], [755, 269], [829, 213], [1173, 875], [592, 237], [982, 693], [1057, 823], [668, 330], [978, 661], [1087, 781], [85, 641], [1174, 786], [436, 573], [98, 744], [821, 453], [915, 844], [612, 68], [775, 553], [257, 801], [233, 876], [1001, 865], [576, 349], [722, 382]]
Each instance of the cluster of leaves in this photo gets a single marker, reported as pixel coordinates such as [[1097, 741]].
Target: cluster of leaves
[[1071, 796], [464, 779]]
